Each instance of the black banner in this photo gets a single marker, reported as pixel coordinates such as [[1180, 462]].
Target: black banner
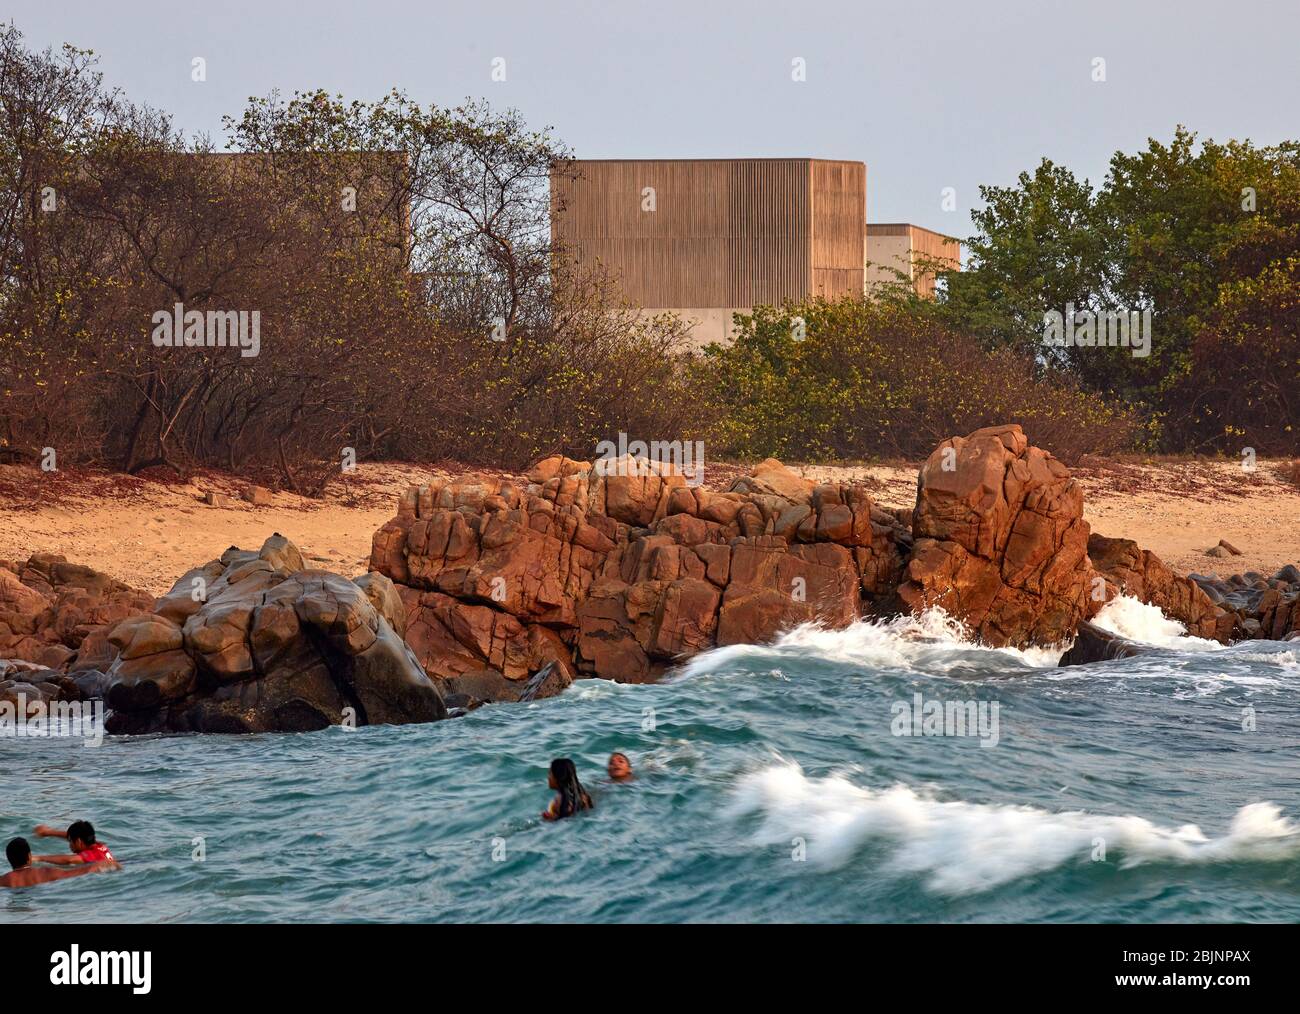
[[334, 962]]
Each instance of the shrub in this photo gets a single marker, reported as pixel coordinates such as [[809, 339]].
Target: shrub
[[868, 379]]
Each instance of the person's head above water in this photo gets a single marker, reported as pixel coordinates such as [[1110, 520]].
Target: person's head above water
[[562, 770], [18, 852], [81, 835], [563, 778], [619, 767]]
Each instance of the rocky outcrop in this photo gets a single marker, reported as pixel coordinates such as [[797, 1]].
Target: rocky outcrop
[[1134, 571], [255, 642], [24, 683], [494, 590], [1242, 607], [1238, 608], [1250, 606], [624, 570], [58, 614], [1001, 544]]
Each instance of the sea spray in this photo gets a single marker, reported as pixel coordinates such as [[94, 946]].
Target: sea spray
[[1137, 621], [931, 641]]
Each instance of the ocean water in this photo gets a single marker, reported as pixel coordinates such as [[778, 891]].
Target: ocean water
[[773, 786]]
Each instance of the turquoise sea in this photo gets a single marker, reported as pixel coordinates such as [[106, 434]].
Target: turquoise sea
[[773, 787]]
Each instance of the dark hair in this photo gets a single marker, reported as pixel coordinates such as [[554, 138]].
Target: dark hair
[[18, 852], [573, 797], [81, 829]]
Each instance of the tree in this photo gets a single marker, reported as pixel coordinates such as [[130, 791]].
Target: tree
[[1176, 229]]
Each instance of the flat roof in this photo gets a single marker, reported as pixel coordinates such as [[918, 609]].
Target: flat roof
[[748, 158], [909, 225]]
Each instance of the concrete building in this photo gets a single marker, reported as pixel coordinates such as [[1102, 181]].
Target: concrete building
[[706, 238], [909, 249]]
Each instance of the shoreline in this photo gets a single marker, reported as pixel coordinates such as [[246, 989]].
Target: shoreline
[[146, 532]]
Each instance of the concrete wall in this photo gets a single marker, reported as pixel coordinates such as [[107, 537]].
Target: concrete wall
[[910, 249], [707, 324], [886, 254]]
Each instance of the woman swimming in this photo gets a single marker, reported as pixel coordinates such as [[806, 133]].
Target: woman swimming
[[572, 797]]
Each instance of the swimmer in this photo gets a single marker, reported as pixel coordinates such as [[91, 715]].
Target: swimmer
[[572, 798], [24, 874], [81, 842], [620, 768]]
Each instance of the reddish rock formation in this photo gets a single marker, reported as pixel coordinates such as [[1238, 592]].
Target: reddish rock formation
[[58, 614], [1001, 544], [1131, 570], [622, 571], [506, 591]]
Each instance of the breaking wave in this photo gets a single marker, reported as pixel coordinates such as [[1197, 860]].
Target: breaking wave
[[1133, 619], [932, 642], [961, 848]]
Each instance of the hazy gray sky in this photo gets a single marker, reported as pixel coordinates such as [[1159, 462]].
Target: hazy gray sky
[[934, 95]]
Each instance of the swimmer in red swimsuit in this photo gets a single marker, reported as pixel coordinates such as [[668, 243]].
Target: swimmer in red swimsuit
[[24, 874], [81, 842]]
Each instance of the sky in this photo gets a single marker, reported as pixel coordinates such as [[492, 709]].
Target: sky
[[931, 96]]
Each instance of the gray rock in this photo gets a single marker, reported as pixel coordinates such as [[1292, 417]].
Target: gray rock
[[1290, 574], [1093, 644], [273, 647]]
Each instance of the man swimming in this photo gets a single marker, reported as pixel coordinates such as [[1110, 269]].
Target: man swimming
[[81, 842], [24, 874], [619, 768]]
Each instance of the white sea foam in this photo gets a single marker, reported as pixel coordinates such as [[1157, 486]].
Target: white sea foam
[[1133, 619], [931, 641], [1286, 659], [962, 848]]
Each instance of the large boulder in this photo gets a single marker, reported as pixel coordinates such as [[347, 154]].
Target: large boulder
[[255, 642], [1001, 544]]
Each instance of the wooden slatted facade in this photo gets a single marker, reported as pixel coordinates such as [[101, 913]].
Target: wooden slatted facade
[[724, 233]]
